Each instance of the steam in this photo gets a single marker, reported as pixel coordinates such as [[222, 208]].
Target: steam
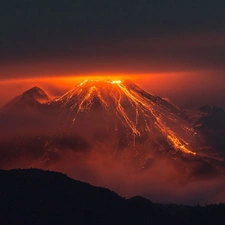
[[166, 181], [163, 182]]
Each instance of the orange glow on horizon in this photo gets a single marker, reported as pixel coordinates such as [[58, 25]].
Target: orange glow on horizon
[[172, 85]]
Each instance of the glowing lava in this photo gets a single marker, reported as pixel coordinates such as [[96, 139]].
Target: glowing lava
[[141, 113]]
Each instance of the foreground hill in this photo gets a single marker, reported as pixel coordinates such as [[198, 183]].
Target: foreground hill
[[34, 196]]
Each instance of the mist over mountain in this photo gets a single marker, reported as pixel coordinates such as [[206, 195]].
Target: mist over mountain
[[31, 98]]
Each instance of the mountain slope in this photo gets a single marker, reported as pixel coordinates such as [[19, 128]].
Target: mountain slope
[[30, 100]]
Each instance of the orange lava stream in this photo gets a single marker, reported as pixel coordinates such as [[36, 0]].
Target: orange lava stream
[[178, 144], [141, 105]]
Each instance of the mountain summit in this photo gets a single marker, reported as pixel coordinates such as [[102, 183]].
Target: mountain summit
[[38, 94], [27, 101]]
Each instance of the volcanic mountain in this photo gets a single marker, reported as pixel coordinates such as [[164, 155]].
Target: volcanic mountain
[[111, 116], [127, 115]]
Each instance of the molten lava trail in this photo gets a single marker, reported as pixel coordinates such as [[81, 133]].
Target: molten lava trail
[[112, 95]]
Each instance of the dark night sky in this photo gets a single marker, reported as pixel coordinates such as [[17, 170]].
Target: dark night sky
[[47, 28], [52, 38]]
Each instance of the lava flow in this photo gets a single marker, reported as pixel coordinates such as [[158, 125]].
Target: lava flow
[[142, 114]]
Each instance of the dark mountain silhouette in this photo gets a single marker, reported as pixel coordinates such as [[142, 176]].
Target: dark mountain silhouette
[[213, 118], [39, 197], [211, 124]]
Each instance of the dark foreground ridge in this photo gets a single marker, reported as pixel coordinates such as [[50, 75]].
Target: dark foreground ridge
[[38, 197]]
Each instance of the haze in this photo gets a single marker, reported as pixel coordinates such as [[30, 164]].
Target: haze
[[189, 89]]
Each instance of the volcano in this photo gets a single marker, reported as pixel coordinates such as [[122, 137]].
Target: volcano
[[126, 115], [112, 116]]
